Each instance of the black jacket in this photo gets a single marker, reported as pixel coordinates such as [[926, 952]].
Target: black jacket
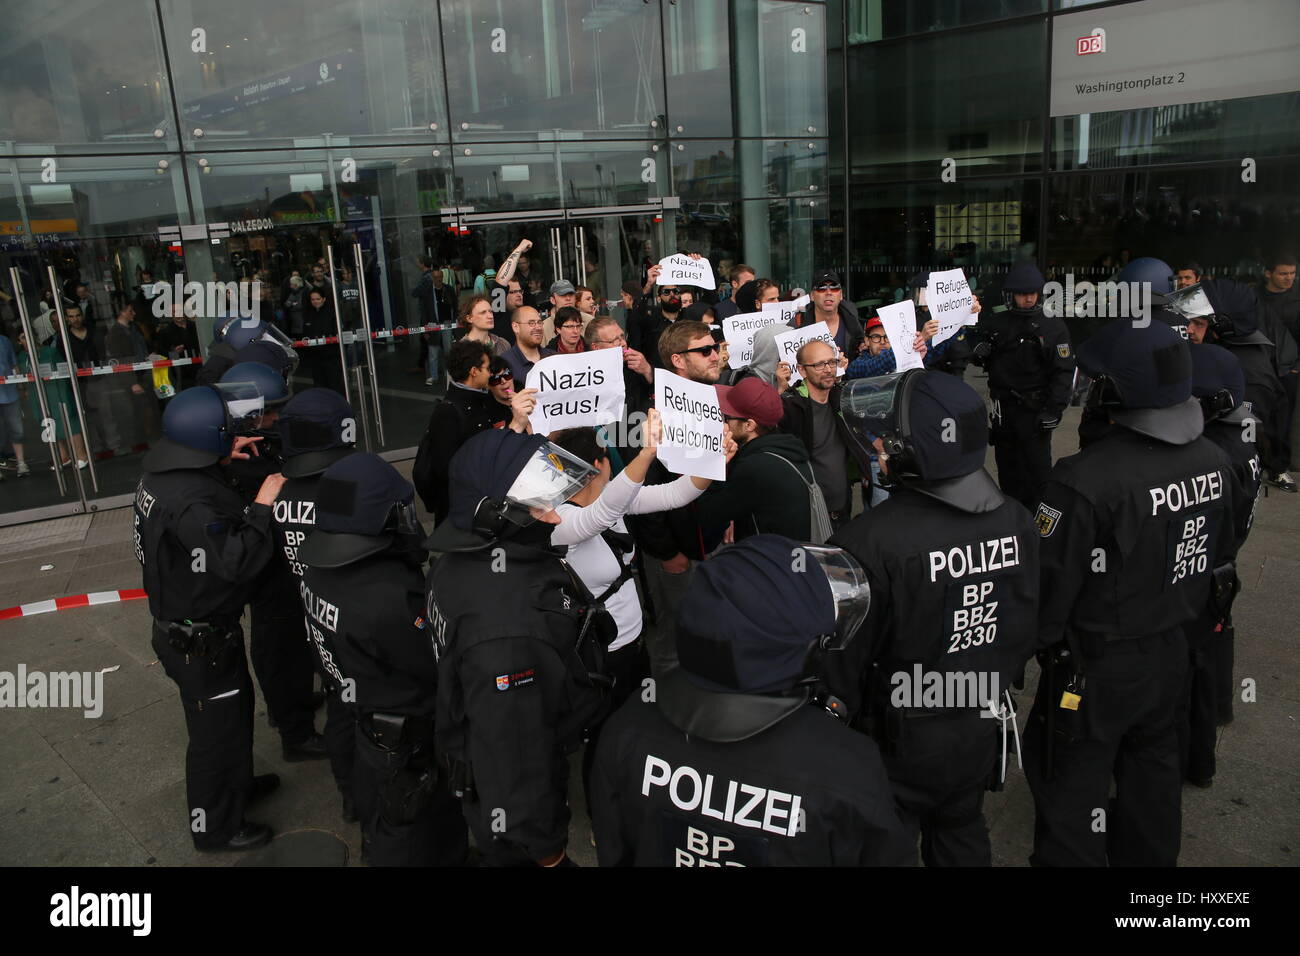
[[1032, 362], [513, 697], [763, 494], [807, 791], [424, 294], [1279, 319], [461, 415], [200, 548], [366, 622]]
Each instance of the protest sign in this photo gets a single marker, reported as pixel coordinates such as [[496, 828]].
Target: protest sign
[[949, 297], [692, 439], [900, 325], [739, 331], [789, 343], [575, 391], [788, 310], [683, 270]]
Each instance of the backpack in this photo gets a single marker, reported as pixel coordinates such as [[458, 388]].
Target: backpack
[[820, 520]]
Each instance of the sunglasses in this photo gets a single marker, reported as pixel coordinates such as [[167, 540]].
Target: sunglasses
[[705, 350], [670, 291], [826, 288], [500, 377]]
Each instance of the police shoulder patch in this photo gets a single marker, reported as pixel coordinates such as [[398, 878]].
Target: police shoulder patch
[[1046, 519], [1063, 350]]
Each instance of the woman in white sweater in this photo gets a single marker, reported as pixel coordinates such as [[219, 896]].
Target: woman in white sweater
[[600, 550]]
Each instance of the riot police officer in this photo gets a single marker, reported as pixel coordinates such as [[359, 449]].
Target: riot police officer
[[317, 427], [728, 759], [1030, 364], [510, 626], [953, 568], [1220, 386], [278, 646], [1131, 530], [201, 548], [237, 333], [363, 585]]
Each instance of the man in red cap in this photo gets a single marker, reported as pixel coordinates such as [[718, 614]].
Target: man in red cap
[[770, 483]]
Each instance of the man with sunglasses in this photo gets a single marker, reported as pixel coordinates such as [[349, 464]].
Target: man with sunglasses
[[828, 306]]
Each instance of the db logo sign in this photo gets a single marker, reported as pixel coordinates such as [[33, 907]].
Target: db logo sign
[[1094, 42]]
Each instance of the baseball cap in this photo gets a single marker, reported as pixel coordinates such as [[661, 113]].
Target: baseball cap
[[752, 398], [562, 287], [875, 323], [826, 277]]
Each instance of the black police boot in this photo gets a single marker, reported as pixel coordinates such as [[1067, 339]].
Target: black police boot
[[309, 748], [250, 837], [263, 784]]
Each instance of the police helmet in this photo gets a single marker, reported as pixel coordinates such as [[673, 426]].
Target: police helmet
[[1142, 378], [363, 508], [501, 481], [1230, 309], [1218, 383], [239, 333], [317, 427], [934, 429], [1152, 271], [200, 424], [751, 631], [268, 381], [1024, 278]]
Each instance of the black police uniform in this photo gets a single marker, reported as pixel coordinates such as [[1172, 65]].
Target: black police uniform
[[202, 548], [1031, 370], [514, 694], [726, 760], [1127, 556], [278, 647], [311, 437], [1206, 702], [367, 622], [953, 566]]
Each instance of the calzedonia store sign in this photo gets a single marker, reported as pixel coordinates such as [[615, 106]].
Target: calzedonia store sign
[[1165, 52]]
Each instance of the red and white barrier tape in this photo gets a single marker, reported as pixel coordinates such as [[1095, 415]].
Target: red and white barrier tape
[[147, 366], [75, 600]]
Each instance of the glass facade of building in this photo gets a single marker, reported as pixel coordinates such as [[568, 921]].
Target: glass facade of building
[[915, 83], [245, 139]]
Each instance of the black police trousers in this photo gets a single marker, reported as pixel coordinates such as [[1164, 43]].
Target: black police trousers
[[217, 695], [340, 738], [1125, 728], [1023, 452], [281, 654], [1209, 651], [939, 768], [408, 815], [629, 666]]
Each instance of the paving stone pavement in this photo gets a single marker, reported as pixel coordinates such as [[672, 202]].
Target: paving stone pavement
[[110, 790]]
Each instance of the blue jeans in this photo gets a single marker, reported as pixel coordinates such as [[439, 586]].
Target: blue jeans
[[878, 494], [433, 350]]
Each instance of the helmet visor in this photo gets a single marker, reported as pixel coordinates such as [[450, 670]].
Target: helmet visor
[[1190, 303], [244, 405], [551, 477], [872, 403], [849, 589]]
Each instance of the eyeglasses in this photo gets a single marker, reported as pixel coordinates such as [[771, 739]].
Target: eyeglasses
[[827, 287], [619, 339], [570, 325], [820, 366], [876, 337], [705, 350], [535, 324]]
